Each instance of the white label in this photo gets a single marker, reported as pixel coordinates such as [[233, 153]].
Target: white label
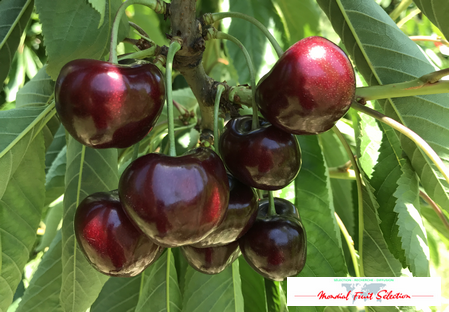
[[366, 291]]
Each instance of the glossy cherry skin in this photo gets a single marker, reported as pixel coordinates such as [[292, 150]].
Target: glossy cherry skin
[[266, 158], [276, 246], [211, 260], [240, 216], [105, 105], [309, 88], [108, 238], [176, 200]]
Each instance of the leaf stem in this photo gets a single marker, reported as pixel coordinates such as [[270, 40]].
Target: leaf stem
[[174, 47], [350, 244], [220, 89], [142, 283], [157, 5], [427, 84], [359, 194], [222, 35], [435, 207], [272, 211], [425, 147], [212, 18]]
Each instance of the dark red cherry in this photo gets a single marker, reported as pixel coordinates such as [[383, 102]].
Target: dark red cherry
[[108, 238], [176, 200], [309, 88], [265, 158], [211, 260], [276, 246], [240, 216], [106, 105]]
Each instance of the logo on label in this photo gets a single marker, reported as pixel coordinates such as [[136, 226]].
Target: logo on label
[[375, 291]]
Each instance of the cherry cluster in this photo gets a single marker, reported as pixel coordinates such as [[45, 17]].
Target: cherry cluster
[[191, 201]]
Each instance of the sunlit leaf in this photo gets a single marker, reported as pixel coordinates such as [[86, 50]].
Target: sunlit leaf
[[81, 38]]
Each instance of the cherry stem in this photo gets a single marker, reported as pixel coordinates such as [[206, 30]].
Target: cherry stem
[[212, 18], [400, 8], [157, 5], [220, 89], [174, 47], [142, 284], [359, 195], [272, 211], [425, 147], [427, 84], [222, 35], [140, 54], [350, 244], [435, 207], [167, 279], [429, 38]]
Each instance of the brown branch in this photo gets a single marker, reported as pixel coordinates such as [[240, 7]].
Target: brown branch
[[188, 61]]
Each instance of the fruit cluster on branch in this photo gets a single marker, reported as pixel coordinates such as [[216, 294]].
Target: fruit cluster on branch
[[190, 201]]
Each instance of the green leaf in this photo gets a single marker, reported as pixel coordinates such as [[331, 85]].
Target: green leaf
[[253, 288], [55, 147], [43, 292], [384, 54], [377, 258], [149, 21], [387, 173], [437, 12], [411, 227], [81, 37], [249, 35], [37, 91], [368, 136], [119, 294], [301, 19], [315, 205], [336, 156], [52, 221], [88, 171], [14, 16], [21, 201], [100, 6], [220, 292], [430, 215], [154, 293], [54, 180]]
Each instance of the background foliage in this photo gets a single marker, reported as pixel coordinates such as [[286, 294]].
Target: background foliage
[[41, 266]]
